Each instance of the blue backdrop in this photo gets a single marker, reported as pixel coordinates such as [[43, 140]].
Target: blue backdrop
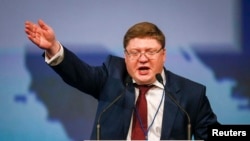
[[207, 41]]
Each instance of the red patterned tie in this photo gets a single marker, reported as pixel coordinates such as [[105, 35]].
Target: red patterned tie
[[139, 127]]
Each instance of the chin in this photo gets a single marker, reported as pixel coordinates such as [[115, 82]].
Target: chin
[[141, 80]]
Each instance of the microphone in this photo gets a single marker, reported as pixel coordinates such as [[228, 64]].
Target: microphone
[[159, 78], [98, 126]]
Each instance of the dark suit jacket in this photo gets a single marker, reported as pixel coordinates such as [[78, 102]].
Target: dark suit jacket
[[106, 82]]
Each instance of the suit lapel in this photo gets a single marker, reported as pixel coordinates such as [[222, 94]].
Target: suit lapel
[[170, 108], [128, 107]]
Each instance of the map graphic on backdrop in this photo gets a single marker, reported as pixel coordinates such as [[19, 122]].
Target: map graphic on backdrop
[[42, 107], [73, 109], [233, 65]]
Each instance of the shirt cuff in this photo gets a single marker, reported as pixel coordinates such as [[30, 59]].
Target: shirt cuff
[[56, 59]]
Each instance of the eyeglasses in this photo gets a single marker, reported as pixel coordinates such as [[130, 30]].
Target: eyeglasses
[[135, 54]]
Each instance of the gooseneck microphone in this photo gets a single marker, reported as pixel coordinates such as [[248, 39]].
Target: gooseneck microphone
[[98, 126], [159, 78]]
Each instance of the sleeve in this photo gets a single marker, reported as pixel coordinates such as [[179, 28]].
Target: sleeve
[[56, 59]]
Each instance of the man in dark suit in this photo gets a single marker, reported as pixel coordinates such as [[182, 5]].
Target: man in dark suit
[[175, 108]]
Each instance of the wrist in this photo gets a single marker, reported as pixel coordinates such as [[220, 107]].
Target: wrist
[[53, 50]]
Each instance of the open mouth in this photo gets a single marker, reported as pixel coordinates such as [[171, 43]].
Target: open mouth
[[143, 70]]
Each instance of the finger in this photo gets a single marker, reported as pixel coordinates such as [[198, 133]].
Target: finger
[[28, 30], [34, 37], [31, 30], [28, 25], [43, 25]]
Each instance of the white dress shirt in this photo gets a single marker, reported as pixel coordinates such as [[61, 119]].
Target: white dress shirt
[[154, 97]]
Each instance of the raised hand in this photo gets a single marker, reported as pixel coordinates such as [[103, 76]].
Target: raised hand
[[43, 36]]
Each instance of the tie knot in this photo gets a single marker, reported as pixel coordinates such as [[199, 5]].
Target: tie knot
[[144, 88]]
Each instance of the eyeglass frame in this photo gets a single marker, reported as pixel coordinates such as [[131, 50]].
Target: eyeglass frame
[[147, 54]]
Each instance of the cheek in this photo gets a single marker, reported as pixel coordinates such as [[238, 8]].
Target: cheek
[[157, 65], [129, 66]]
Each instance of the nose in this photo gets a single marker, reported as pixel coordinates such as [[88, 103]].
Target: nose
[[143, 57]]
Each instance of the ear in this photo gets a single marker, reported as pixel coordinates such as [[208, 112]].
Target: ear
[[164, 55]]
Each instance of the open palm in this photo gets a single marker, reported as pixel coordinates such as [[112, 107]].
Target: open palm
[[40, 34]]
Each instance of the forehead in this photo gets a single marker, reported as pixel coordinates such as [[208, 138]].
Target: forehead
[[143, 43]]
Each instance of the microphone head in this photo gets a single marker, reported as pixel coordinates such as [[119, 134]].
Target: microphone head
[[159, 78]]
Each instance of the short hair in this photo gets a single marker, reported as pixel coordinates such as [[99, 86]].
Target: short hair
[[144, 30]]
